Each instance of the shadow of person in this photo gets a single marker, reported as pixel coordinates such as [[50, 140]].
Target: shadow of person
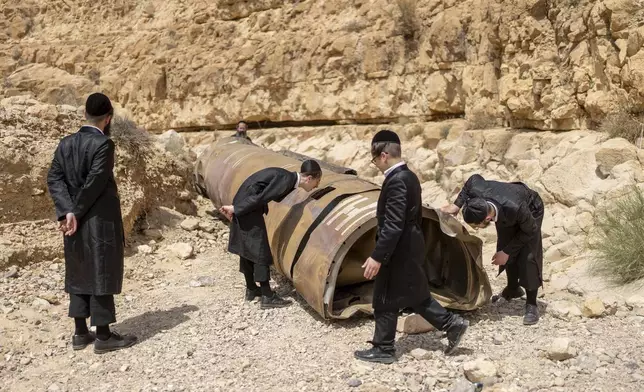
[[148, 324], [498, 311], [431, 341]]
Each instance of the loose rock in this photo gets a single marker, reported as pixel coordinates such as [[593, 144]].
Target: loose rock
[[190, 224], [561, 349], [181, 250]]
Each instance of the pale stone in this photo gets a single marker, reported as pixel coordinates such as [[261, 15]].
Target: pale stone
[[181, 250], [190, 224], [480, 370], [413, 324], [144, 249], [593, 307], [561, 350]]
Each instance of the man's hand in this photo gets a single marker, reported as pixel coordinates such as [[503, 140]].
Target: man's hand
[[70, 224], [371, 267], [62, 225], [451, 209], [500, 258], [228, 211]]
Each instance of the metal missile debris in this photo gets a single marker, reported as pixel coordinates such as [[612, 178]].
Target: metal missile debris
[[320, 240]]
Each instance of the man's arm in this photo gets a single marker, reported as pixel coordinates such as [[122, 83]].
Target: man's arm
[[467, 190], [275, 188], [96, 181], [395, 214], [527, 229], [58, 188]]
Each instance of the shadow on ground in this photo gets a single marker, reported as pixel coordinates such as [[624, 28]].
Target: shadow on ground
[[148, 324]]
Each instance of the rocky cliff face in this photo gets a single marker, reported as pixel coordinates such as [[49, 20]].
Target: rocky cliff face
[[29, 134], [543, 64]]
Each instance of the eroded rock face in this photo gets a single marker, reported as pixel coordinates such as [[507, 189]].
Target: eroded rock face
[[528, 63], [29, 134]]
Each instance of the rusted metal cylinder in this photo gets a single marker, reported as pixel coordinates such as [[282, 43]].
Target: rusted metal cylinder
[[320, 240]]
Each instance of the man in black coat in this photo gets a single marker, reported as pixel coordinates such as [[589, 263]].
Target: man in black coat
[[397, 260], [517, 213], [248, 235], [81, 184]]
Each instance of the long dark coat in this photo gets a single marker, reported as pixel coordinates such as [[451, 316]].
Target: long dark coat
[[518, 226], [248, 236], [400, 245], [81, 181]]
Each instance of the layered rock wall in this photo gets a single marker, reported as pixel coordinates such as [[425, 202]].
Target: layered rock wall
[[543, 64]]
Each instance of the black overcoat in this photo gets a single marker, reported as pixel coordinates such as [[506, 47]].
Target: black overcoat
[[248, 236], [518, 226], [81, 181], [400, 245]]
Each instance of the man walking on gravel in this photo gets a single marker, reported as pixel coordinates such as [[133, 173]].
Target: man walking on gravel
[[397, 260], [517, 213], [81, 184], [248, 235]]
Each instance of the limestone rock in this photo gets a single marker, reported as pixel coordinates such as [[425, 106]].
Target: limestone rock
[[593, 307], [480, 370], [190, 224], [144, 249], [561, 350], [413, 324], [563, 309], [420, 354], [181, 250], [614, 152]]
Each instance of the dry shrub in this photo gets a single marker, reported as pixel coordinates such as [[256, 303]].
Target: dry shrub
[[617, 240], [624, 124], [130, 137], [408, 18]]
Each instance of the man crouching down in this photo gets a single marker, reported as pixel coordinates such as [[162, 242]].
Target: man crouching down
[[397, 259], [248, 235]]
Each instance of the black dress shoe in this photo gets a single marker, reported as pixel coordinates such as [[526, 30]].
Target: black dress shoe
[[79, 342], [531, 316], [252, 293], [275, 301], [455, 333], [376, 354], [509, 293], [115, 342]]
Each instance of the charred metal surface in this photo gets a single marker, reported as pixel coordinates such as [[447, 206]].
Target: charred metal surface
[[320, 239]]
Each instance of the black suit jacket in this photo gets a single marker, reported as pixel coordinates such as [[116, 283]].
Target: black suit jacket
[[400, 246], [518, 209], [81, 181], [248, 235]]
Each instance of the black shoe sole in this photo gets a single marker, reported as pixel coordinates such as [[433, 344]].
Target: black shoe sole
[[386, 361], [274, 306], [530, 322], [80, 347], [107, 350], [466, 325]]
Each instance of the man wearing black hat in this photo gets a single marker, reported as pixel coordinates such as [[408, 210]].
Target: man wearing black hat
[[248, 235], [517, 213], [397, 260], [81, 184]]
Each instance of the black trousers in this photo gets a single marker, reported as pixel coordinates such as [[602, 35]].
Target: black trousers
[[386, 321], [258, 272], [100, 308]]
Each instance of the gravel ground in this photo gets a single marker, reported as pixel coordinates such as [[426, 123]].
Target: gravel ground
[[197, 334]]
